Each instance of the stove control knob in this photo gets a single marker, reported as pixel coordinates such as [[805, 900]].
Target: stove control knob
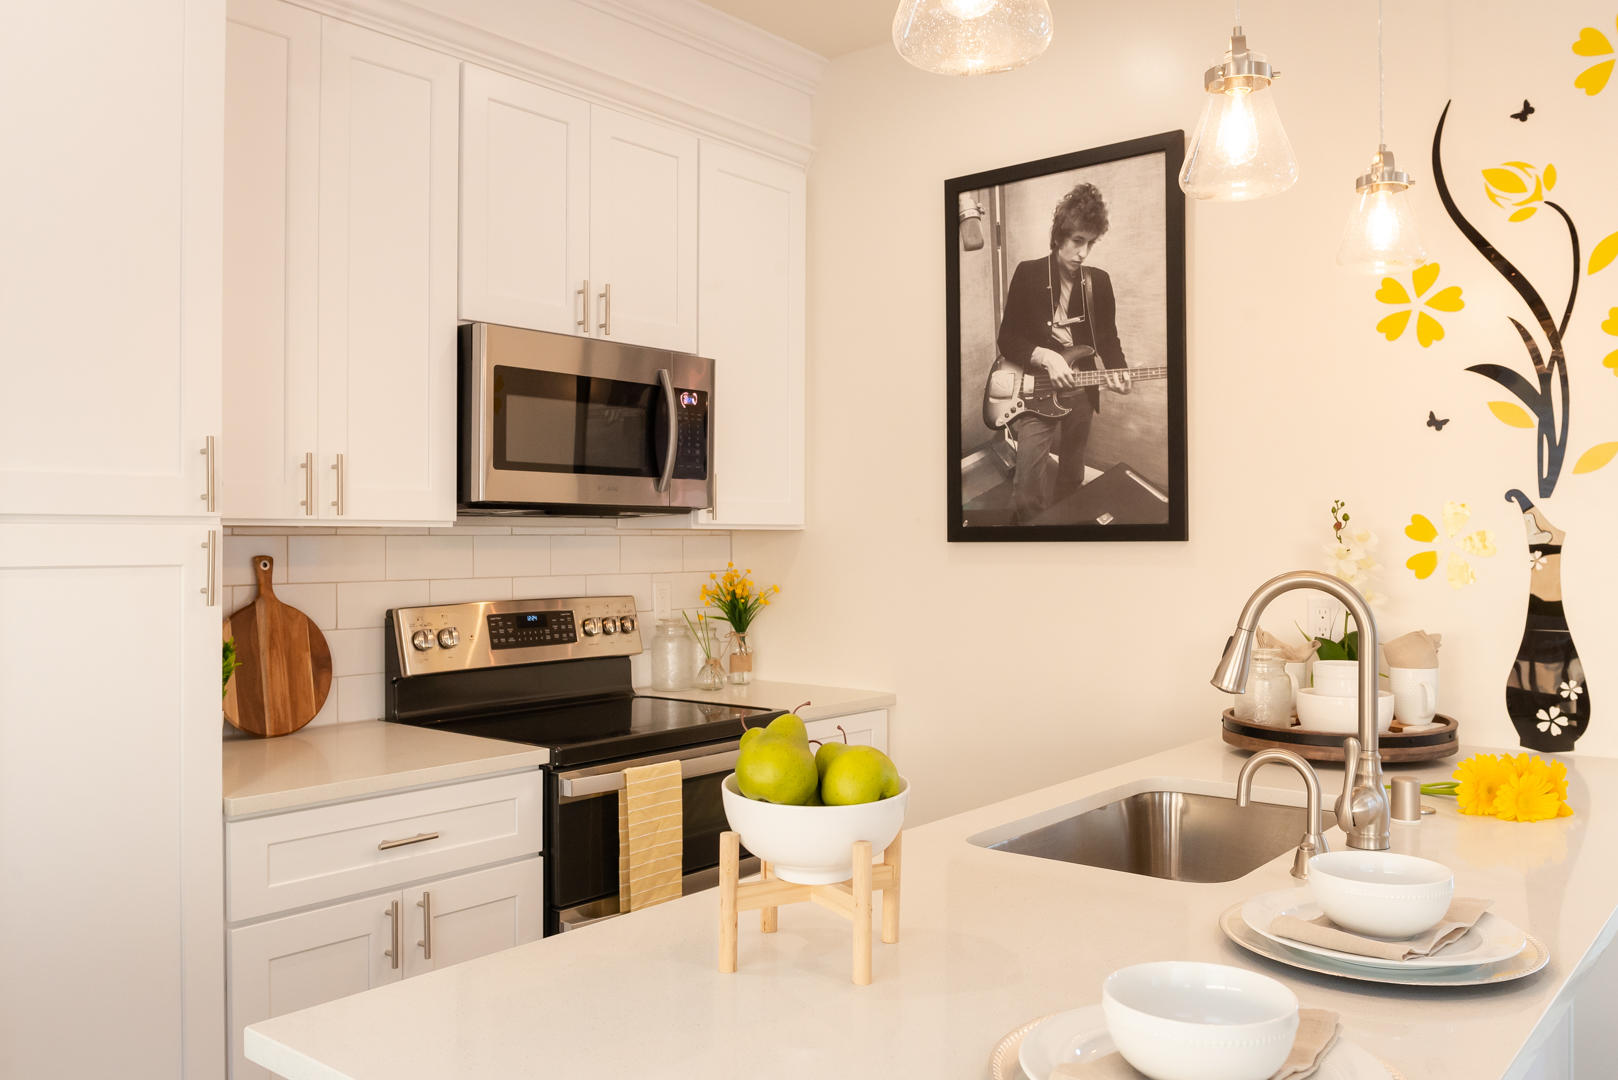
[[591, 627], [422, 640], [449, 637], [609, 625], [627, 623]]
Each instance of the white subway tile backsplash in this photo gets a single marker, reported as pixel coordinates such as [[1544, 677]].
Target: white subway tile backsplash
[[650, 554], [687, 587], [359, 697], [584, 555], [472, 530], [637, 585], [533, 588], [328, 710], [240, 551], [336, 558], [363, 603], [708, 552], [318, 601], [412, 557], [511, 556], [355, 652], [640, 668], [547, 530], [466, 590]]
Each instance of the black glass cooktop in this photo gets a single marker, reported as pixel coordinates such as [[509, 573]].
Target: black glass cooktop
[[612, 727]]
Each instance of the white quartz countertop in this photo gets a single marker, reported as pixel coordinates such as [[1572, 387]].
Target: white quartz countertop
[[824, 700], [989, 940], [346, 761]]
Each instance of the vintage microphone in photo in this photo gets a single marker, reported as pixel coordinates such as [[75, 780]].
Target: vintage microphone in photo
[[970, 215]]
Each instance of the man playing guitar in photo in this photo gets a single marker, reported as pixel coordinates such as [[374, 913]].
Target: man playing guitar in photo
[[1060, 315]]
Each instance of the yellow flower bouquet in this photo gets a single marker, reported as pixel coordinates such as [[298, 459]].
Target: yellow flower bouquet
[[737, 598], [1512, 787]]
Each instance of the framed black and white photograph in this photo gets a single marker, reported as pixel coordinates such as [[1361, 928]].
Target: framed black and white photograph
[[1066, 308]]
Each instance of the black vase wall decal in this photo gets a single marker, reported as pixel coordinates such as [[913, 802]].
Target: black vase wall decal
[[1546, 696]]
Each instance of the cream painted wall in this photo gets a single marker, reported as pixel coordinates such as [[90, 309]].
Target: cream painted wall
[[1020, 665]]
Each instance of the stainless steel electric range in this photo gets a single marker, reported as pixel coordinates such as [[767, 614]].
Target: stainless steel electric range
[[555, 673]]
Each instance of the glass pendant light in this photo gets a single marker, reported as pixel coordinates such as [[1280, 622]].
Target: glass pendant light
[[971, 37], [1239, 151], [1380, 236]]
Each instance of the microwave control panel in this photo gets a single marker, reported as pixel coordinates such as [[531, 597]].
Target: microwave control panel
[[498, 633], [691, 443]]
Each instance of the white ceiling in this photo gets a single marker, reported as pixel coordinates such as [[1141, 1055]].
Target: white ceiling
[[828, 27]]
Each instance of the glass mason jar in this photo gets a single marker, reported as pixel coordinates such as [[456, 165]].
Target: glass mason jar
[[672, 655], [1268, 698], [741, 657]]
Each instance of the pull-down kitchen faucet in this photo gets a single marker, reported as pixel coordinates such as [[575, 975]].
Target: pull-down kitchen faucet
[[1362, 809]]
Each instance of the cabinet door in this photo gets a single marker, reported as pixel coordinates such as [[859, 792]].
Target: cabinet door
[[109, 278], [525, 204], [463, 917], [864, 729], [291, 963], [643, 231], [271, 290], [751, 300], [109, 803], [388, 119]]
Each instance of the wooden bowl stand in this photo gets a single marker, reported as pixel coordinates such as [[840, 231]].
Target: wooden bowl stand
[[850, 899]]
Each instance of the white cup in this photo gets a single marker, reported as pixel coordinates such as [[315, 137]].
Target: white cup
[[1415, 694], [1337, 678]]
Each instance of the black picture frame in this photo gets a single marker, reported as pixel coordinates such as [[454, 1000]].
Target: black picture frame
[[1132, 502]]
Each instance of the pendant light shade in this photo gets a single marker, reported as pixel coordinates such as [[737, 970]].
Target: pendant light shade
[[971, 37], [1239, 150], [1381, 233]]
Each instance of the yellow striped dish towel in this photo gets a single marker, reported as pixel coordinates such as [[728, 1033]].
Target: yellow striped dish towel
[[650, 836]]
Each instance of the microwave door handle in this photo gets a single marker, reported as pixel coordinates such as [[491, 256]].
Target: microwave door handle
[[666, 381]]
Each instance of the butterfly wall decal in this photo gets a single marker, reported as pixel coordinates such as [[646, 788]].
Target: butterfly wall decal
[[1434, 422], [1524, 113]]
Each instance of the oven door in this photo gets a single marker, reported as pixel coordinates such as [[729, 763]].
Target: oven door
[[549, 419], [581, 831]]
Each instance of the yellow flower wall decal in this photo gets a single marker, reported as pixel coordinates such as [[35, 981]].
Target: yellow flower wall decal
[[1428, 329], [1518, 186], [1611, 327], [1457, 567], [1592, 42], [1603, 253]]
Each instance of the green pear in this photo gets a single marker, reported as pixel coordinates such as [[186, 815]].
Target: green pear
[[826, 755], [859, 774], [788, 726], [776, 768], [749, 735]]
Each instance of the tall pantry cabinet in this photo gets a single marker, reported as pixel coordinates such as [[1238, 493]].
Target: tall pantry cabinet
[[110, 842]]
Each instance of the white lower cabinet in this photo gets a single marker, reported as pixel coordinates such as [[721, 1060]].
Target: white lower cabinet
[[869, 728], [459, 918]]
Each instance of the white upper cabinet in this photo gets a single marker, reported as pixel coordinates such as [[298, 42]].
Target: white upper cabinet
[[643, 231], [751, 297], [525, 204], [340, 271], [109, 279]]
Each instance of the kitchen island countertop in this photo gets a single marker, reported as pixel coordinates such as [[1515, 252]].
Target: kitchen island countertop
[[989, 940]]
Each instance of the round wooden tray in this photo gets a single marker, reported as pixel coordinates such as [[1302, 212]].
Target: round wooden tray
[[1316, 745]]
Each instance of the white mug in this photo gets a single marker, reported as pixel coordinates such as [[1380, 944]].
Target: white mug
[[1415, 694], [1337, 678]]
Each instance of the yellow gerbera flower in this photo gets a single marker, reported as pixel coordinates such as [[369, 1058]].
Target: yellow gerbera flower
[[1481, 777], [1428, 329], [1527, 796], [1592, 42]]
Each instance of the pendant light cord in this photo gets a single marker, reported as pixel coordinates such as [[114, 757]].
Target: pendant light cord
[[1381, 83]]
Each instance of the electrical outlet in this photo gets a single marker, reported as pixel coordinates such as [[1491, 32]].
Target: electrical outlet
[[1324, 617], [662, 600]]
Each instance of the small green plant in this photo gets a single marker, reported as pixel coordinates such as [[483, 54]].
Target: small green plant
[[230, 665]]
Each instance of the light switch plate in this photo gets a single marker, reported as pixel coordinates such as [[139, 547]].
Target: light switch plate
[[662, 599]]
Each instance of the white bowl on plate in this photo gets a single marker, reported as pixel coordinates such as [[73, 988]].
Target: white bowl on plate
[[1381, 893], [1179, 1020], [813, 845], [1328, 712]]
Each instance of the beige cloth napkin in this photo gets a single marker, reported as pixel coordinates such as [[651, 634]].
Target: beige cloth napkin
[[1463, 914], [651, 836], [1318, 1030], [1417, 649], [1292, 654]]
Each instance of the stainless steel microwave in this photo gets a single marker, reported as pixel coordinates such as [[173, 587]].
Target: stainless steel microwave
[[551, 423]]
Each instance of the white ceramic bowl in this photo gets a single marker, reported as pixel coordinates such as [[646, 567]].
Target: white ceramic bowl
[[1325, 712], [1177, 1020], [1381, 893], [813, 845]]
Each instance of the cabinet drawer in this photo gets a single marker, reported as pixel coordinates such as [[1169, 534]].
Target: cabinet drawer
[[313, 856]]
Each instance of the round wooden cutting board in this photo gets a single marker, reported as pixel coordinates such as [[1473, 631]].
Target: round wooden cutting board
[[285, 671]]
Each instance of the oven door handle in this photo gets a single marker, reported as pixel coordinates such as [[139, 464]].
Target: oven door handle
[[666, 381], [587, 783]]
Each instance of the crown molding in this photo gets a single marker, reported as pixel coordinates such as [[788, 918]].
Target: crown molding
[[468, 42]]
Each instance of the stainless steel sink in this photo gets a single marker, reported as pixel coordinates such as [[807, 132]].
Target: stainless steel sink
[[1165, 834]]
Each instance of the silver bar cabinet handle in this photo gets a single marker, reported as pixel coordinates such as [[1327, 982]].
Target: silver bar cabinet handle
[[666, 381], [337, 467], [583, 321], [392, 912], [606, 309], [209, 492], [308, 468], [418, 838], [426, 942], [211, 589]]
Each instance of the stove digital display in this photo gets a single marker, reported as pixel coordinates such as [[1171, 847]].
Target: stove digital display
[[526, 629]]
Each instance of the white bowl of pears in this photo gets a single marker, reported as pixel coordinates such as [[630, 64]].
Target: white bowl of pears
[[802, 810]]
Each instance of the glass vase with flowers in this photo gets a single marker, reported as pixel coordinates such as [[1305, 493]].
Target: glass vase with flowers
[[711, 674], [738, 602]]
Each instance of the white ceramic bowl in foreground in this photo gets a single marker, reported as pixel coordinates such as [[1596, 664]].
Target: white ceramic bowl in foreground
[[1381, 893], [1178, 1020], [1325, 712], [813, 845]]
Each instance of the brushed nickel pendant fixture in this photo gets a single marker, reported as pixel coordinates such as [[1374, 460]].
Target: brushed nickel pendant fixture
[[971, 37], [1381, 236], [1240, 150]]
